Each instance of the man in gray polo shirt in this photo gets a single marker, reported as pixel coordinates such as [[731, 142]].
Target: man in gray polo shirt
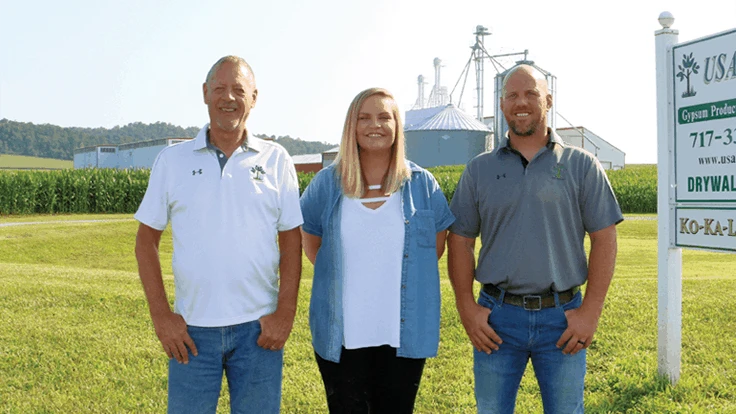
[[531, 201]]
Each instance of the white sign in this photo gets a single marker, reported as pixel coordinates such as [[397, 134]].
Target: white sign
[[712, 228], [705, 119]]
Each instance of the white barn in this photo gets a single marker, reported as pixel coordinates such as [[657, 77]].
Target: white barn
[[611, 158], [98, 156], [140, 154]]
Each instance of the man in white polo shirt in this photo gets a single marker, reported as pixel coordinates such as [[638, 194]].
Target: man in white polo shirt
[[233, 204]]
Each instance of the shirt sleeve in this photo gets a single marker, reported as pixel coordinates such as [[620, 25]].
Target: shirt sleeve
[[442, 215], [312, 203], [154, 209], [598, 204], [291, 215], [464, 206]]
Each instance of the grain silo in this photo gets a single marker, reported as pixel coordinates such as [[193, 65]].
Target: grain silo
[[450, 137]]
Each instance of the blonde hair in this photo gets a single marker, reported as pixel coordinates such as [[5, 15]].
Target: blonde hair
[[347, 164]]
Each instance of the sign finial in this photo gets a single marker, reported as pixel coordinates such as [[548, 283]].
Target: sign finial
[[666, 19]]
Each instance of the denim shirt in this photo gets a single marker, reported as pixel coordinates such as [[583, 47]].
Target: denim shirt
[[425, 213]]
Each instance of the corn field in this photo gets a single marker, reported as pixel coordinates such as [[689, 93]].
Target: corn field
[[72, 191], [121, 191], [635, 188]]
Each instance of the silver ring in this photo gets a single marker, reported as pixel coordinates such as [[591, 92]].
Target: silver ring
[[581, 343]]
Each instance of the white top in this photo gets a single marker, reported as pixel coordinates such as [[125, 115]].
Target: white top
[[373, 247], [224, 226]]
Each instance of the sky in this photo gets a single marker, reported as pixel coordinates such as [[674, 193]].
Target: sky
[[106, 63]]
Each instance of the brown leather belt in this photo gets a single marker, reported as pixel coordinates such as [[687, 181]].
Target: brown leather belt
[[532, 302]]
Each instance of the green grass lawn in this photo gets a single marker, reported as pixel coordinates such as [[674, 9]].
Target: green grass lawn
[[76, 336], [22, 161]]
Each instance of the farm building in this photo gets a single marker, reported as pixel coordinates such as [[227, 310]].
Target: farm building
[[329, 156], [140, 154], [98, 156], [307, 162], [449, 137], [611, 158]]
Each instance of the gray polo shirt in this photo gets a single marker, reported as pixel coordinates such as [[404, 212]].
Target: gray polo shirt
[[532, 218]]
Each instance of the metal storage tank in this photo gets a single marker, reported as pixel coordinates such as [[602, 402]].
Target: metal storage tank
[[451, 137], [501, 127]]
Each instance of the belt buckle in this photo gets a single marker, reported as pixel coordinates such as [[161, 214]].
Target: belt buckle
[[532, 302]]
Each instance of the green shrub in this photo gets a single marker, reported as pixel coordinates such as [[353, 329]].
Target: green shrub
[[304, 180]]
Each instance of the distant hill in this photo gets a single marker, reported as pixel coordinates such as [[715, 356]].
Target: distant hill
[[53, 141], [296, 146]]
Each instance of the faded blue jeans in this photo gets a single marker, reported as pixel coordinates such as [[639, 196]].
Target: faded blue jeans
[[529, 334], [253, 373]]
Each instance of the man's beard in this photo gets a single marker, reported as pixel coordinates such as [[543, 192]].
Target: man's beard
[[533, 128], [529, 132]]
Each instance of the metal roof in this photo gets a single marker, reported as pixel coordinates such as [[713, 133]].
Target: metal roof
[[415, 117], [450, 119], [307, 159], [93, 148], [586, 133]]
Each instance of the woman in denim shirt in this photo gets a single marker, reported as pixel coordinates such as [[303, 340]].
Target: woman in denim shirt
[[374, 228]]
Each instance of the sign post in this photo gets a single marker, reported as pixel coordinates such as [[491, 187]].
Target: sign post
[[696, 161], [669, 264]]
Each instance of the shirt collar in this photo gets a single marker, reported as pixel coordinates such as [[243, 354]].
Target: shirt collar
[[412, 166], [554, 139], [202, 141]]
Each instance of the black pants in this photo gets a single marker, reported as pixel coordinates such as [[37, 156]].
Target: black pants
[[371, 381]]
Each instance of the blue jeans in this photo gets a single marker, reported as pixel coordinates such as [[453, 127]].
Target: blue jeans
[[253, 373], [529, 334]]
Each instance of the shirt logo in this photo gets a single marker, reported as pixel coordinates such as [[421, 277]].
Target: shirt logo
[[499, 176], [557, 170], [195, 172], [258, 173]]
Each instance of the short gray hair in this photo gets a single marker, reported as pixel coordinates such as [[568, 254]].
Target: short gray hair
[[231, 59], [534, 72]]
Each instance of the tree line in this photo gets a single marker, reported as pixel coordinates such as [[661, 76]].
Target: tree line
[[53, 141]]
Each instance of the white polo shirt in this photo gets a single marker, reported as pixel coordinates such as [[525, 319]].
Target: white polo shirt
[[224, 226]]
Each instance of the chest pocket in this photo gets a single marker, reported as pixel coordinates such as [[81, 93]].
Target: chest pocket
[[426, 233]]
